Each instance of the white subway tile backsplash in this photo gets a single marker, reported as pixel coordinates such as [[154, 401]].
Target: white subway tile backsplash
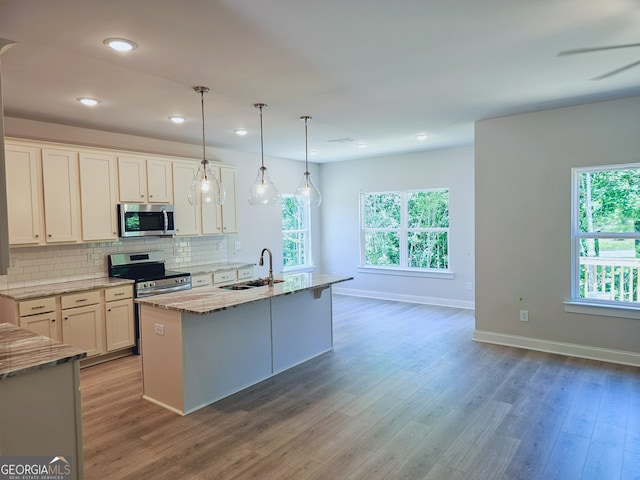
[[60, 263]]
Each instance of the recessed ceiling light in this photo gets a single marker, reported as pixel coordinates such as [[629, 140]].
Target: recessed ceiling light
[[241, 131], [120, 44], [362, 145], [89, 102], [421, 136], [176, 119], [313, 152]]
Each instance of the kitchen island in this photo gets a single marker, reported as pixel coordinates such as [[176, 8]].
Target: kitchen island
[[40, 412], [204, 344]]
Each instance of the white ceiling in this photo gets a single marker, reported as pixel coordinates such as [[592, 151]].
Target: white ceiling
[[368, 71]]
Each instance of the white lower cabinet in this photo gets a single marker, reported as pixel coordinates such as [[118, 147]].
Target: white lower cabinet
[[41, 316], [99, 321], [119, 318], [83, 326]]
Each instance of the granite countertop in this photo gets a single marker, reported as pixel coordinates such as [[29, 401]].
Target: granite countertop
[[216, 267], [22, 351], [60, 288], [203, 300]]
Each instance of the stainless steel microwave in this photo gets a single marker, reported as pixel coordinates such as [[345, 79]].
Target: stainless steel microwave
[[143, 220]]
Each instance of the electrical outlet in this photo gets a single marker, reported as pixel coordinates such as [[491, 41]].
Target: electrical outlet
[[469, 286], [524, 315], [159, 329], [237, 245]]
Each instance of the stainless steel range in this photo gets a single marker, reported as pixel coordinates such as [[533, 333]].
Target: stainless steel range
[[148, 271]]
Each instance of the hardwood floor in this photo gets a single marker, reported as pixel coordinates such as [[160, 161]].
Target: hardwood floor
[[406, 394]]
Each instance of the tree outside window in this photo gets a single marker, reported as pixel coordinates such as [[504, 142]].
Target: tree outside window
[[606, 233], [296, 242], [406, 229]]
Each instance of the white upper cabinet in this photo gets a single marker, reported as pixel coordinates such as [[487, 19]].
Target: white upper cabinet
[[187, 216], [60, 195], [205, 219], [142, 180], [229, 214], [98, 196], [23, 195]]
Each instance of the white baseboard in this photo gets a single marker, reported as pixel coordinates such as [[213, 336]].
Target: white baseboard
[[400, 297], [568, 349]]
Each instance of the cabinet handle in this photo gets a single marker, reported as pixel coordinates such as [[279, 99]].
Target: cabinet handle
[[66, 318], [81, 300], [53, 320], [37, 307], [49, 235], [37, 236], [142, 195], [118, 294], [108, 309]]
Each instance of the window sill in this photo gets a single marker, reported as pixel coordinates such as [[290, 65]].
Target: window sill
[[590, 308], [406, 272]]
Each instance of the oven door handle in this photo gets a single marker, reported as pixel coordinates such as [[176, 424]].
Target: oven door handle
[[164, 290]]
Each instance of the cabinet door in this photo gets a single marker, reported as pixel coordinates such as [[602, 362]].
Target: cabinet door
[[98, 198], [229, 218], [159, 181], [23, 195], [61, 192], [119, 324], [187, 216], [42, 324], [82, 327], [132, 179]]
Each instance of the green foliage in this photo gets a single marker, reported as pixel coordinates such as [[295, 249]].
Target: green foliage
[[415, 220], [609, 200], [294, 231]]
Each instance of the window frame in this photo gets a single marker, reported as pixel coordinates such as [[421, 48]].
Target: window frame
[[592, 305], [404, 231], [307, 244]]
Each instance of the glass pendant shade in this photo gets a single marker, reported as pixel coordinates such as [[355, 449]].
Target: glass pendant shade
[[263, 191], [206, 188], [308, 192]]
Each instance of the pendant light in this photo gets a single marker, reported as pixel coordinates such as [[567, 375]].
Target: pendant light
[[307, 191], [205, 188], [263, 191]]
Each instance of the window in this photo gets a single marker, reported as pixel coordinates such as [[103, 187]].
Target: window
[[406, 229], [296, 237], [606, 234]]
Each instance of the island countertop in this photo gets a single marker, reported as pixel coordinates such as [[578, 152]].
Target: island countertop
[[203, 300], [22, 351]]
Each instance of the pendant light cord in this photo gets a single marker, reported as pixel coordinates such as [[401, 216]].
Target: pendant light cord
[[204, 157], [306, 144]]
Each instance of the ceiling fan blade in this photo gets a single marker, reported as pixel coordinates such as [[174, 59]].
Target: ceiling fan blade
[[596, 49], [617, 70]]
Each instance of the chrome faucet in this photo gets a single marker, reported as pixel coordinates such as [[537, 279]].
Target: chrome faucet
[[261, 263]]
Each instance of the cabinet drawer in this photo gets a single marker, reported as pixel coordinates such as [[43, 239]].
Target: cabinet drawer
[[245, 273], [38, 305], [118, 293], [201, 280], [223, 277], [80, 299]]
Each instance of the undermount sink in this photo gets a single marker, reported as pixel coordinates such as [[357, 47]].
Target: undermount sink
[[258, 282]]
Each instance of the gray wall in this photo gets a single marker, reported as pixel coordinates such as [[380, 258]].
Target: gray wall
[[342, 184], [523, 213]]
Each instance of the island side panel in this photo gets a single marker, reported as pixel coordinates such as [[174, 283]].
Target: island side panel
[[225, 352], [40, 414], [302, 327], [161, 348]]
